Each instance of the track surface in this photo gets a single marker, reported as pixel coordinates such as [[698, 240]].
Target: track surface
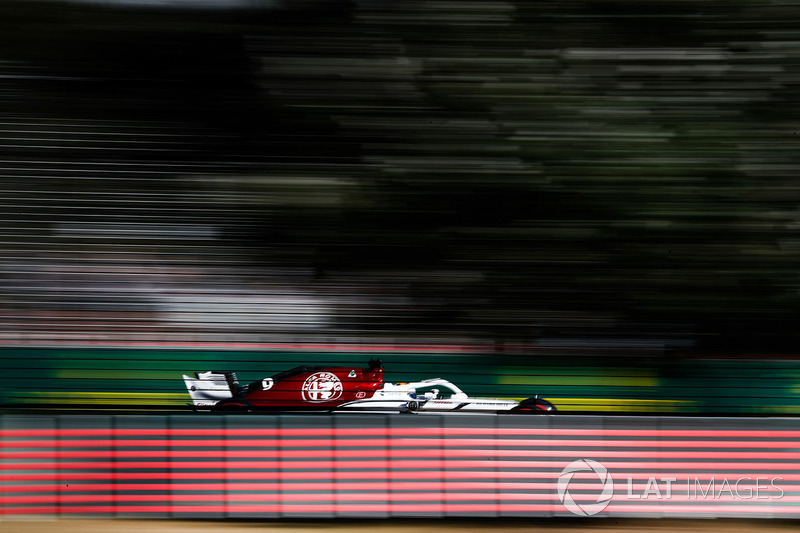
[[444, 526]]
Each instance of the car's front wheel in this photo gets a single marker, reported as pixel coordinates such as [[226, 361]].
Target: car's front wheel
[[535, 406]]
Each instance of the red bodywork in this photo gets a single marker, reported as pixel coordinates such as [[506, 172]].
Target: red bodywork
[[308, 387]]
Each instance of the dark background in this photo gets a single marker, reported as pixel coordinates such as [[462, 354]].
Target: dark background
[[576, 173]]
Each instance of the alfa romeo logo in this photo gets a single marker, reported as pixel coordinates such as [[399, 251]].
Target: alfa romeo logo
[[322, 387], [585, 508]]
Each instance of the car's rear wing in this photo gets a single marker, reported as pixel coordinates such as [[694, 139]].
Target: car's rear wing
[[207, 388]]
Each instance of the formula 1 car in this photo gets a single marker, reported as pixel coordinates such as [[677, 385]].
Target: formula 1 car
[[319, 388]]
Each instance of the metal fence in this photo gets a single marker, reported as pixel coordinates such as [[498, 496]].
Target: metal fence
[[330, 466]]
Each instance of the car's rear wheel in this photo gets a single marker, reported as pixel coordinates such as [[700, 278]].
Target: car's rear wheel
[[236, 406]]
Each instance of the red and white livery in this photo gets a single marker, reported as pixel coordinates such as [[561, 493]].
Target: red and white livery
[[315, 388]]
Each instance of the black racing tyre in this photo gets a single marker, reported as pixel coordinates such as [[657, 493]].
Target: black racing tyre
[[535, 406], [233, 406]]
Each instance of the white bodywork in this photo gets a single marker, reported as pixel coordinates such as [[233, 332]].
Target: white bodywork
[[404, 397]]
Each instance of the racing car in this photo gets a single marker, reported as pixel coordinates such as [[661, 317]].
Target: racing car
[[343, 388]]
